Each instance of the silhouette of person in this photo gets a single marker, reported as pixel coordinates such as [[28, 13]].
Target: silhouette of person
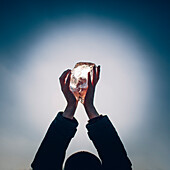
[[51, 153]]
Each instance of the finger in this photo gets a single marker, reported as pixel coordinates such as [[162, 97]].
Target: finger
[[68, 79], [89, 80], [94, 76], [63, 76], [98, 73]]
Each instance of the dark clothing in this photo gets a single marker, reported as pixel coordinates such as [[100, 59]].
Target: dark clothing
[[51, 153]]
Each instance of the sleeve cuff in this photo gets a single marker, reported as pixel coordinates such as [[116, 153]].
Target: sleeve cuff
[[65, 126], [67, 122], [91, 121], [98, 123]]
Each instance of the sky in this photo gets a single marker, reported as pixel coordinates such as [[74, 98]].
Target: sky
[[130, 40]]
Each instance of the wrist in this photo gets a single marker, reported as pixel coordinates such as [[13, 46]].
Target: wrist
[[69, 111], [91, 111]]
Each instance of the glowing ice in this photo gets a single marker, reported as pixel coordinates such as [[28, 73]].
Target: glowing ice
[[79, 75]]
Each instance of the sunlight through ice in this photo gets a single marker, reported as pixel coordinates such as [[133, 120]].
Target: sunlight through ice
[[79, 76]]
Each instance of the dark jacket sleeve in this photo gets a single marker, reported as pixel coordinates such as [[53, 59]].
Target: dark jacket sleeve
[[108, 144], [51, 152]]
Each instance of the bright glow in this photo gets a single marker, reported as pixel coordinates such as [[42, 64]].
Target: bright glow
[[124, 70], [123, 90], [79, 75]]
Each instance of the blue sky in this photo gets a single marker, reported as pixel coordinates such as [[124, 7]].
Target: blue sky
[[130, 40]]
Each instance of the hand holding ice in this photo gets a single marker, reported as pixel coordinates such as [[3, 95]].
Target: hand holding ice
[[79, 76]]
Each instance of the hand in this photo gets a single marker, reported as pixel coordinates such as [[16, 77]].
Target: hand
[[88, 101], [71, 100]]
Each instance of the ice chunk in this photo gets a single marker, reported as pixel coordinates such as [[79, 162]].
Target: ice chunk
[[78, 82]]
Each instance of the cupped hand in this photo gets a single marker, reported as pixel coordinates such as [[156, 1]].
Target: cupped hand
[[71, 100], [89, 98]]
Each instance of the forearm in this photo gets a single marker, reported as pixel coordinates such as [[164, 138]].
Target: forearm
[[69, 111], [91, 111], [108, 144], [51, 152]]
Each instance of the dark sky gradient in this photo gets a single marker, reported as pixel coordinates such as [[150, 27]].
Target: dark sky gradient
[[150, 20]]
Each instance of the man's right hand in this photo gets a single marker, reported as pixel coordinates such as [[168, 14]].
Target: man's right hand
[[71, 100], [88, 101]]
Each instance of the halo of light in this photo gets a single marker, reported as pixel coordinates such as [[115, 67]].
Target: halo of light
[[122, 92]]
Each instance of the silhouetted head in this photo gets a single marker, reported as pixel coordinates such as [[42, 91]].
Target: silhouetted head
[[83, 161]]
